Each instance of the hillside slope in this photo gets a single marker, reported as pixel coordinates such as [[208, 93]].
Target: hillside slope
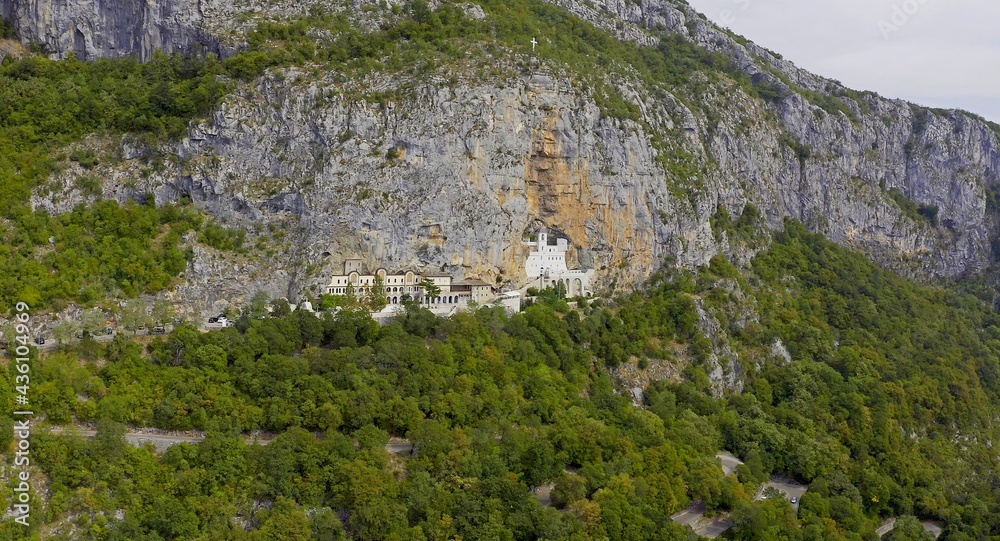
[[888, 410]]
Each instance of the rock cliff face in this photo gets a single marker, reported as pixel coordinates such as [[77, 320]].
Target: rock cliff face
[[944, 159], [451, 173], [97, 29], [93, 29], [447, 179]]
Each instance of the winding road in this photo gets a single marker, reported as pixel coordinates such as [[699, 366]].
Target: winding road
[[162, 440]]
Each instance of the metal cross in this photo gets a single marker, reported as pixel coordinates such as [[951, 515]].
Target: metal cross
[[533, 43]]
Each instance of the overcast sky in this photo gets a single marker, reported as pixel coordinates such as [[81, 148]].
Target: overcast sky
[[940, 53]]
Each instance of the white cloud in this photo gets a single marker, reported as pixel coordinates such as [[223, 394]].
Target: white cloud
[[942, 53]]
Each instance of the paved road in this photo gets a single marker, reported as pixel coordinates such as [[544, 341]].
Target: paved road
[[138, 437], [691, 515], [729, 462], [789, 488], [933, 527], [544, 494], [715, 528], [886, 527], [694, 517], [399, 446], [163, 440], [52, 343]]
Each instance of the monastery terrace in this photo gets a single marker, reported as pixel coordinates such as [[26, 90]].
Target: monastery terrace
[[544, 267]]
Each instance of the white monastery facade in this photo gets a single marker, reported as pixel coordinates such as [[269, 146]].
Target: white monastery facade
[[409, 285], [546, 267]]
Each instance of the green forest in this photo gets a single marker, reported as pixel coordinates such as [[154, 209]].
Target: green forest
[[885, 404], [887, 375], [103, 249]]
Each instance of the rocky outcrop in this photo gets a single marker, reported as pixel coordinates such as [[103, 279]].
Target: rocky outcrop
[[943, 159], [95, 29], [445, 179], [449, 174]]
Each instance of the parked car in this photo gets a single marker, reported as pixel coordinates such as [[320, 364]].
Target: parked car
[[39, 340], [4, 344], [140, 328], [159, 330], [223, 321], [108, 331], [213, 320]]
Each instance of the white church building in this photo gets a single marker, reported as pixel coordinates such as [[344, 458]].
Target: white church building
[[546, 267]]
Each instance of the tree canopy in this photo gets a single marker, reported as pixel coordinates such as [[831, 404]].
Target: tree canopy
[[885, 375]]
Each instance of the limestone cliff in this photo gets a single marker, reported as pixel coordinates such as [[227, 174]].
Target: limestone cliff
[[452, 170], [110, 29], [947, 159], [94, 29]]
